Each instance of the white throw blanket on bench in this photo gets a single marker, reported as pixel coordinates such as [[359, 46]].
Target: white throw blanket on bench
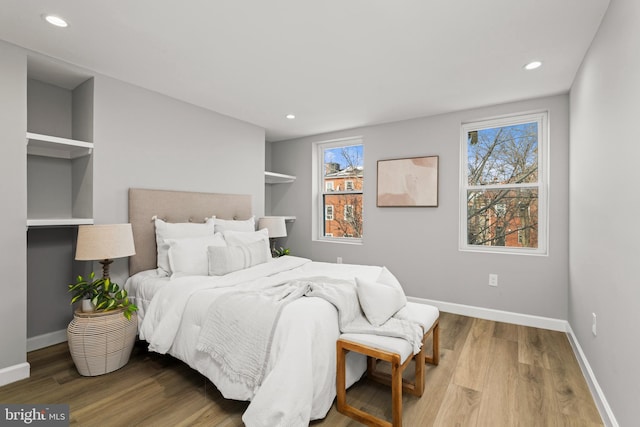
[[239, 326]]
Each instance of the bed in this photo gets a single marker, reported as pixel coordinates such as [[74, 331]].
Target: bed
[[296, 382]]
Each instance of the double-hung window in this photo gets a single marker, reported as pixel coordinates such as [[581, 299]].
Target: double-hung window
[[340, 207], [503, 185]]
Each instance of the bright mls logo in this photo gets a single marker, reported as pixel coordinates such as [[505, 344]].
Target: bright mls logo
[[34, 415]]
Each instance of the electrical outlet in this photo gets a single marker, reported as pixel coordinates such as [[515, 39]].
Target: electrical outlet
[[593, 325], [339, 260], [493, 280]]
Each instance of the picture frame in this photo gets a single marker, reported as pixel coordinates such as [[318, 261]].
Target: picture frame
[[408, 182]]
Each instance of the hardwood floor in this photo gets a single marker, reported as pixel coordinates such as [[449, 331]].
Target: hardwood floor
[[490, 374]]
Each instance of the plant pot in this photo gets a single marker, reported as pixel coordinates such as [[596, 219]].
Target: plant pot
[[101, 342], [87, 306]]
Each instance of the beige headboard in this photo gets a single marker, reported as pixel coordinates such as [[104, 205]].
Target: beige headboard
[[175, 206]]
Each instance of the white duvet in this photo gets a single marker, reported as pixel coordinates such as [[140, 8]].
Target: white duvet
[[299, 384]]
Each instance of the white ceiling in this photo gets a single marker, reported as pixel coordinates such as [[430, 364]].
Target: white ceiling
[[335, 64]]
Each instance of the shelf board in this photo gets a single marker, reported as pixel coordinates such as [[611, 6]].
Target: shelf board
[[56, 222], [54, 146], [278, 178], [287, 218]]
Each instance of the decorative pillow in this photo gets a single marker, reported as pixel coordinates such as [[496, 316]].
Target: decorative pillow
[[235, 225], [240, 238], [387, 278], [189, 255], [168, 230], [226, 259], [379, 300]]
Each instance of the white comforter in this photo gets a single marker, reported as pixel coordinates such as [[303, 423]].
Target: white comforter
[[299, 384]]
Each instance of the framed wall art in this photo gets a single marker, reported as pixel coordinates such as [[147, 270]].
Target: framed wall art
[[408, 182]]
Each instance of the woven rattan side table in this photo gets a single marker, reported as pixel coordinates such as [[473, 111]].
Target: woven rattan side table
[[101, 342]]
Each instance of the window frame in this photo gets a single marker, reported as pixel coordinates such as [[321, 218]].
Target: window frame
[[319, 190], [542, 119]]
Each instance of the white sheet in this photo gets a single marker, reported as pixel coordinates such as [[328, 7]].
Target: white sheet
[[299, 385]]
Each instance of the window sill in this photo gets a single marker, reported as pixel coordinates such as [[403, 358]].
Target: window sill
[[339, 241]]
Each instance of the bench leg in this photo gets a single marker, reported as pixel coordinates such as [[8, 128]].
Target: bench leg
[[396, 394], [341, 381], [434, 359]]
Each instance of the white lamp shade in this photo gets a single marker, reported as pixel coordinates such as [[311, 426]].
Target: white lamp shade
[[275, 225], [98, 242]]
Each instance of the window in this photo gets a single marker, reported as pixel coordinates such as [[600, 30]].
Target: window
[[328, 212], [339, 190], [348, 212], [503, 185]]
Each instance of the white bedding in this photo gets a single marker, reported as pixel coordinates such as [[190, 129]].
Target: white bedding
[[299, 384]]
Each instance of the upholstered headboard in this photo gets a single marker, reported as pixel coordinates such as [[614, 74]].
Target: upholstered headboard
[[175, 206]]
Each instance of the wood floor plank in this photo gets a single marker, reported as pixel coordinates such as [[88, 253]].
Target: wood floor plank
[[475, 356], [459, 408], [531, 348], [506, 331], [572, 391], [498, 401], [160, 391], [453, 331], [536, 403]]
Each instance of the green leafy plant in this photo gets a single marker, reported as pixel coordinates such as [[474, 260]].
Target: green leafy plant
[[281, 252], [104, 294]]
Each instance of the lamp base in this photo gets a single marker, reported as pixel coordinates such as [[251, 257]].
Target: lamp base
[[105, 267]]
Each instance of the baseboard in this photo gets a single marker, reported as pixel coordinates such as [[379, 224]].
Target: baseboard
[[14, 373], [606, 413], [497, 315], [537, 322], [45, 340]]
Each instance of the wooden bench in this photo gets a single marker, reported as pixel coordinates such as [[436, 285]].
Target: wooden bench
[[399, 353]]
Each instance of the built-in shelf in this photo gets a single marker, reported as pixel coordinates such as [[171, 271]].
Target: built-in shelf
[[287, 218], [57, 222], [54, 146], [277, 178]]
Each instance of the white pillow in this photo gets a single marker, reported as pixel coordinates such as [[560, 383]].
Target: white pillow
[[240, 238], [226, 259], [235, 225], [167, 230], [387, 278], [189, 255], [379, 300]]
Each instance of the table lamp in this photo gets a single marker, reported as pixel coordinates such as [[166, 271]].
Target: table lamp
[[103, 243], [276, 226]]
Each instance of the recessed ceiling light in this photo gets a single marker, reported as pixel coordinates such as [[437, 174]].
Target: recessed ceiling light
[[290, 116], [533, 65], [56, 20]]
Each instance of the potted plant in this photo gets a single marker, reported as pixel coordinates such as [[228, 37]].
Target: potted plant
[[104, 295], [101, 340], [281, 252]]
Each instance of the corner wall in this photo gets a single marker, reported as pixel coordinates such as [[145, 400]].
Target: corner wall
[[13, 193], [604, 206], [420, 245]]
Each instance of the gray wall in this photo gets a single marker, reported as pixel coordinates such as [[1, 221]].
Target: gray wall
[[13, 175], [604, 206], [420, 245], [144, 139]]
